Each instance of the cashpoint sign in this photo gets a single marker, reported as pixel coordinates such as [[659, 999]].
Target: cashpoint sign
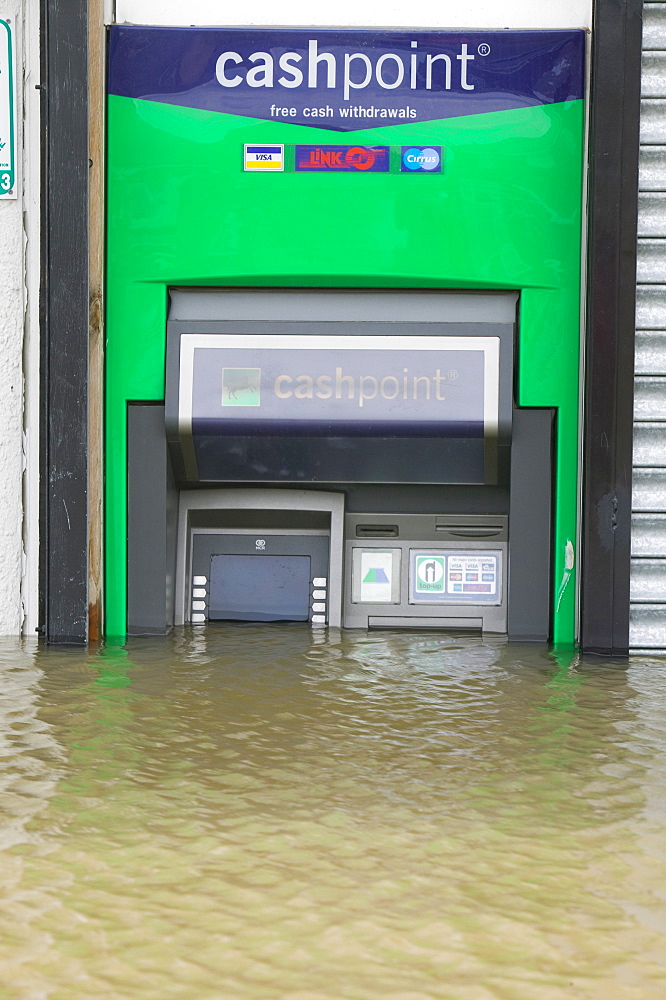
[[235, 390], [321, 385], [345, 80]]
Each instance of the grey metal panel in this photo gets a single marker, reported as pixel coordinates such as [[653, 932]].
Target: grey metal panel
[[652, 168], [653, 122], [651, 261], [427, 528], [650, 398], [651, 307], [651, 352], [652, 211], [648, 535], [442, 622], [171, 537], [649, 490], [147, 562], [355, 305], [530, 525], [491, 618], [647, 626], [654, 26], [362, 498], [648, 580], [650, 445], [653, 74]]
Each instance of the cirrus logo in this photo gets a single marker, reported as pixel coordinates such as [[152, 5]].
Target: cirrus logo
[[421, 159]]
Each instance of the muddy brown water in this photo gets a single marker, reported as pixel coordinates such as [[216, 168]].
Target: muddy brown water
[[267, 813]]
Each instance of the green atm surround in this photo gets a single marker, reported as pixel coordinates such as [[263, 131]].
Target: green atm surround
[[505, 213]]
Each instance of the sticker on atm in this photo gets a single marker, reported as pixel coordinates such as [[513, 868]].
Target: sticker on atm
[[443, 576], [479, 574], [264, 158], [343, 159], [375, 576], [430, 574]]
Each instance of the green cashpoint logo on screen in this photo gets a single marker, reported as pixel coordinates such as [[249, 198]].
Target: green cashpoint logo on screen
[[241, 386]]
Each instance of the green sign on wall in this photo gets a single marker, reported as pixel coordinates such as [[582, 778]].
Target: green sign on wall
[[7, 114]]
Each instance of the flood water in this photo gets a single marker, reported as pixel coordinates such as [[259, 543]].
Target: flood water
[[267, 813]]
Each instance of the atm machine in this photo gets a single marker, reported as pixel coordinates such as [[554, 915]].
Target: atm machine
[[347, 458]]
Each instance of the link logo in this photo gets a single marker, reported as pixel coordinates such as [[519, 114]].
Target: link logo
[[343, 159], [421, 159]]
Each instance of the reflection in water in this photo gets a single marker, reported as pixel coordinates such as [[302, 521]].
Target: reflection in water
[[31, 761], [266, 812]]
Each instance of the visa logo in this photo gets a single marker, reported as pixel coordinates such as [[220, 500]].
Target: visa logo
[[263, 157]]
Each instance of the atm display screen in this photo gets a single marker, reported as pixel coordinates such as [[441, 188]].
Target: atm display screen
[[259, 588]]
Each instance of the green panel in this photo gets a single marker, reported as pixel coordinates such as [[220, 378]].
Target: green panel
[[504, 213]]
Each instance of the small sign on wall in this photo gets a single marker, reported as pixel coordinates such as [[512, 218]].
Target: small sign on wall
[[7, 113]]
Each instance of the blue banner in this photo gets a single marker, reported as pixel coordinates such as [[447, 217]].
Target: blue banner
[[346, 80]]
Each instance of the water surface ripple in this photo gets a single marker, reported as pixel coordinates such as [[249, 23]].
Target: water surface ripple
[[267, 813]]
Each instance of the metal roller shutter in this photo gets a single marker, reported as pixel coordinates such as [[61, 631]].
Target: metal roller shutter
[[648, 549]]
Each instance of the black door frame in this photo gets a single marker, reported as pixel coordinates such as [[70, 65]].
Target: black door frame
[[610, 334], [64, 323], [607, 444]]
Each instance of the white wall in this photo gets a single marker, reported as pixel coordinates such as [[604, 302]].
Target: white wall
[[362, 13], [31, 351], [19, 369]]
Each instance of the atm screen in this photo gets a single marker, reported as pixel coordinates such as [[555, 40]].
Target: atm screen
[[259, 588]]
